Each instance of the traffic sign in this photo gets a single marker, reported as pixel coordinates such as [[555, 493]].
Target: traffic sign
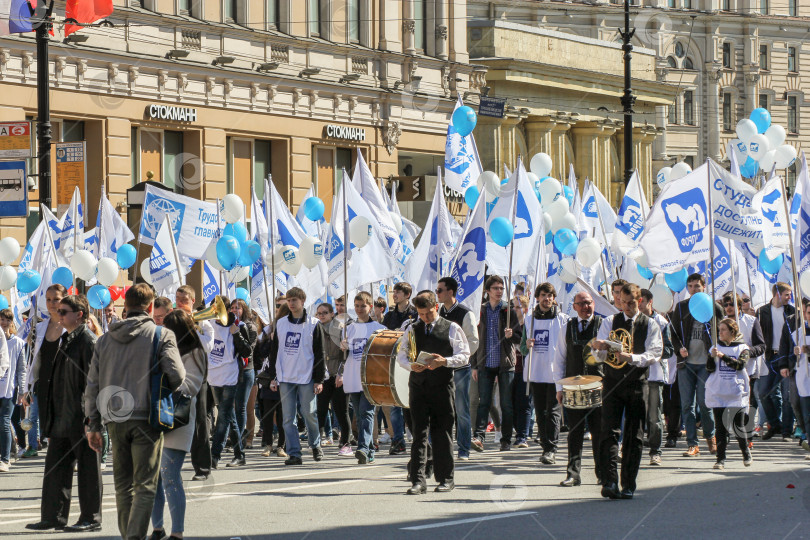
[[15, 140], [13, 189]]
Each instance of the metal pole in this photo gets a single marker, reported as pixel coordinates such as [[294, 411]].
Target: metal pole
[[511, 252], [711, 250], [269, 198], [43, 24], [733, 280], [628, 99], [799, 308]]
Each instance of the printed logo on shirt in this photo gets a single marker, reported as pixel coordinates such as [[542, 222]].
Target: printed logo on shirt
[[292, 342], [724, 368], [217, 354], [541, 340], [358, 346]]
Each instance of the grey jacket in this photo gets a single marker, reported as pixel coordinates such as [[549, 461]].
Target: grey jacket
[[118, 381], [331, 348], [196, 363]]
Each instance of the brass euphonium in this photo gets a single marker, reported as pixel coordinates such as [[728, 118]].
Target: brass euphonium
[[217, 311]]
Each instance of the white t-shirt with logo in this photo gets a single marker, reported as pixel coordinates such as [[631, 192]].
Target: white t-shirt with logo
[[357, 335], [295, 357], [223, 369], [547, 333], [727, 387]]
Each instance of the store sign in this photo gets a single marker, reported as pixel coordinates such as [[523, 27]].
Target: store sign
[[167, 112], [346, 133], [15, 140]]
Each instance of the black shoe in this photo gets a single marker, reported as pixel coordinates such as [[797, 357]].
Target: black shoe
[[362, 457], [570, 482], [237, 462], [292, 460], [445, 487], [611, 490], [199, 477], [429, 470], [416, 489], [44, 526], [627, 493], [769, 434], [505, 446], [84, 526], [671, 443], [397, 449], [317, 454], [158, 535], [548, 458], [214, 463]]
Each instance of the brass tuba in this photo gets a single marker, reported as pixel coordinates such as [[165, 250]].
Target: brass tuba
[[217, 311]]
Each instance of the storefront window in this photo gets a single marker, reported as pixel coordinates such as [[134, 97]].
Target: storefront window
[[261, 166], [173, 160]]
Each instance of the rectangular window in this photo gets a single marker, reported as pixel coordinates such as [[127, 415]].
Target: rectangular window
[[726, 5], [792, 63], [419, 34], [261, 166], [763, 7], [354, 20], [173, 160], [184, 6], [272, 13], [763, 101], [687, 4], [673, 114], [727, 111], [793, 113], [791, 176], [688, 108], [314, 17], [134, 157], [671, 3], [763, 57], [726, 54], [230, 10], [792, 10]]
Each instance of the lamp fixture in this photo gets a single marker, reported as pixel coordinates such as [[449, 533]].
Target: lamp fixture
[[75, 39], [349, 77], [175, 54], [222, 60], [308, 72], [267, 66], [485, 91]]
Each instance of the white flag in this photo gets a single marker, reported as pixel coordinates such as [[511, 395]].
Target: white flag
[[469, 264], [800, 218], [422, 270], [630, 221], [163, 261], [462, 166], [112, 231], [596, 208], [769, 203]]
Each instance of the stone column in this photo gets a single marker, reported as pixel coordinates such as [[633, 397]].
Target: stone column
[[538, 134], [442, 31], [712, 85], [643, 138], [408, 26], [496, 140], [586, 150], [558, 154]]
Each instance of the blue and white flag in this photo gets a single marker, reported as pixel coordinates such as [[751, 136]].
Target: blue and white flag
[[410, 230], [769, 203], [469, 265], [422, 270], [210, 283], [630, 221], [751, 279], [800, 218], [194, 222], [596, 208], [722, 268], [111, 230], [167, 276], [309, 226], [601, 307], [462, 166], [68, 230]]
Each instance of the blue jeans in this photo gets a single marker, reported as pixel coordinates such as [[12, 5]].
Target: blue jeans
[[398, 425], [769, 392], [33, 415], [170, 487], [364, 413], [292, 396], [6, 407], [486, 382], [462, 379], [226, 416], [692, 384], [243, 387]]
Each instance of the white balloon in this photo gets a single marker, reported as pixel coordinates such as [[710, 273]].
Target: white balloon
[[679, 170], [567, 277], [785, 156], [533, 178], [662, 298], [292, 261], [84, 265], [489, 182], [746, 128], [804, 281], [310, 251], [633, 276], [758, 146], [9, 250], [107, 271], [8, 277], [640, 256], [663, 176], [146, 272], [557, 210], [569, 264], [238, 274], [541, 164], [768, 161], [588, 252], [775, 135], [233, 209], [360, 231], [568, 221], [277, 257], [546, 222], [550, 190], [397, 221], [211, 257]]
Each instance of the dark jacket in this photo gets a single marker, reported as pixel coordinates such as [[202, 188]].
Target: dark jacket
[[62, 415], [244, 342], [735, 363], [766, 323], [681, 320], [508, 346], [318, 364], [786, 359], [393, 319]]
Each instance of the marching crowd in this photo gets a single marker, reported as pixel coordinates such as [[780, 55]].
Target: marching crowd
[[80, 390]]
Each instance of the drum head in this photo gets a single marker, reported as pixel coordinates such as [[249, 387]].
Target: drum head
[[579, 380], [400, 384]]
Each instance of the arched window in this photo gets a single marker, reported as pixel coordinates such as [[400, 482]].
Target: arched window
[[687, 63], [679, 50], [671, 62]]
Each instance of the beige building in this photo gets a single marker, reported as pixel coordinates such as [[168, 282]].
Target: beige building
[[211, 97]]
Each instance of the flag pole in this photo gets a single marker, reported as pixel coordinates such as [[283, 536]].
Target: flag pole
[[219, 223], [733, 282], [270, 307], [796, 284], [512, 248], [540, 267], [269, 197], [604, 235], [346, 246], [711, 249], [180, 274]]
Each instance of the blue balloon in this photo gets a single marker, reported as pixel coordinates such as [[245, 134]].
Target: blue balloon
[[491, 206], [770, 266], [237, 231], [28, 281], [63, 276], [126, 256], [644, 272], [537, 192], [677, 280], [566, 241], [98, 296], [762, 118], [249, 253], [464, 120], [569, 194], [549, 237], [228, 251], [313, 208], [749, 168], [701, 307], [3, 302], [243, 293], [501, 231], [471, 196]]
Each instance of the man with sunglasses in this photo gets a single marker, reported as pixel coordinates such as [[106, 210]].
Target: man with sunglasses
[[332, 393]]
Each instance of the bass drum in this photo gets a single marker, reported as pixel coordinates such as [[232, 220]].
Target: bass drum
[[384, 381]]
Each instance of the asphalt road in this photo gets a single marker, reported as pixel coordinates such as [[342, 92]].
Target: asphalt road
[[499, 495]]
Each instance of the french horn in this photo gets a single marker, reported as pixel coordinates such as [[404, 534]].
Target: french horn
[[619, 341]]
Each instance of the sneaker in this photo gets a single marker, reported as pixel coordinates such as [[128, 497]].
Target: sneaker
[[671, 443], [490, 427], [29, 453], [317, 453], [327, 442], [757, 431], [345, 451], [806, 445], [587, 436], [397, 449], [237, 462], [371, 459], [521, 443], [280, 452], [464, 458], [385, 438], [505, 446], [720, 465], [768, 434], [477, 445], [655, 459], [103, 466], [799, 433], [497, 435], [292, 460], [692, 452], [362, 457], [4, 466], [266, 451], [748, 460], [20, 452]]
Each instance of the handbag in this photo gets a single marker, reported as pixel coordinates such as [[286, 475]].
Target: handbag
[[161, 402], [182, 409]]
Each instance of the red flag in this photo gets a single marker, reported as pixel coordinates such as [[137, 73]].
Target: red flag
[[86, 11]]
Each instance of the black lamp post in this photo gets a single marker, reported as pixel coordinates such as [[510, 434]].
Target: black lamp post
[[628, 99], [43, 23]]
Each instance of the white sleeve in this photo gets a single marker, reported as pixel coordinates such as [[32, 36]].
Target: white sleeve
[[653, 347], [470, 332], [602, 335], [5, 362], [402, 354], [559, 356], [461, 349], [206, 335]]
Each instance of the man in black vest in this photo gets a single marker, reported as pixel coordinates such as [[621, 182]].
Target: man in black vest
[[623, 392], [432, 390], [570, 354]]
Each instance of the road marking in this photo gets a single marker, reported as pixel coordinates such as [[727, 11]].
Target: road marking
[[463, 521]]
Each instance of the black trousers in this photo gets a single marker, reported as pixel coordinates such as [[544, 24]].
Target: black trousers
[[672, 410], [576, 436], [622, 399], [432, 408], [200, 443], [271, 413], [340, 404], [722, 434], [549, 414], [63, 454]]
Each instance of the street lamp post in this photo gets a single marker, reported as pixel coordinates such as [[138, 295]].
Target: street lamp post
[[628, 99], [43, 23]]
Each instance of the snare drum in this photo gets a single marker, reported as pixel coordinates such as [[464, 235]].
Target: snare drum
[[384, 381], [582, 392]]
